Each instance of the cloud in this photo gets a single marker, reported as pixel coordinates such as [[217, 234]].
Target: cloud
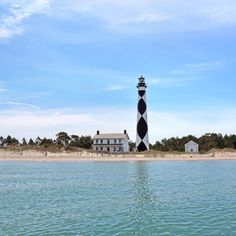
[[151, 16], [198, 68], [21, 104], [33, 96], [172, 81], [124, 16], [204, 66], [116, 88], [18, 11], [224, 14], [144, 18], [156, 81], [7, 32], [186, 73], [33, 123], [172, 124], [2, 87]]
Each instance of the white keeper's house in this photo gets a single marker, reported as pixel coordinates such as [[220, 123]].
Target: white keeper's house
[[191, 147], [111, 142]]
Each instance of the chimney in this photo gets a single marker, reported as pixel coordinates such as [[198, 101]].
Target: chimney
[[125, 131], [98, 132]]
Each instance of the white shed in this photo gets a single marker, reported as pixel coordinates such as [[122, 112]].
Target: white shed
[[191, 147]]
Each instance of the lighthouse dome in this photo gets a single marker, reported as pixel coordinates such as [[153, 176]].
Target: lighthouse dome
[[141, 79]]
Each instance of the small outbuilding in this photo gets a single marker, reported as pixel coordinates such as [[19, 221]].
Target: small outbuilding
[[191, 147]]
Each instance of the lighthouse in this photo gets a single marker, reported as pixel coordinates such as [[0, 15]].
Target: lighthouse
[[142, 142]]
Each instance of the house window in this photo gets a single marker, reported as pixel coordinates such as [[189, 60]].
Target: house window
[[119, 140], [101, 148], [108, 149], [108, 141], [96, 148], [101, 141], [114, 149], [114, 141], [96, 141]]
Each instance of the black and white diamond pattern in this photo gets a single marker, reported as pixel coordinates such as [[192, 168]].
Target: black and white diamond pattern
[[142, 142]]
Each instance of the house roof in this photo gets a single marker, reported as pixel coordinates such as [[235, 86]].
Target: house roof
[[111, 136]]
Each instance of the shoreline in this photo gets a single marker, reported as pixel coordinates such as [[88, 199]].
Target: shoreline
[[84, 156], [110, 159], [33, 155]]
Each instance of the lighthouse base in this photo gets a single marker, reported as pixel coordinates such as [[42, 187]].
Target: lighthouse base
[[142, 147]]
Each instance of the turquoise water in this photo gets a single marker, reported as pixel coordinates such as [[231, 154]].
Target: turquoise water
[[124, 198]]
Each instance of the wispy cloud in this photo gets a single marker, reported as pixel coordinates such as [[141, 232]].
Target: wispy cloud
[[116, 87], [173, 81], [186, 73], [204, 66], [224, 14], [21, 104], [8, 32], [2, 87], [131, 16], [155, 16], [37, 95], [197, 68], [18, 11], [155, 81], [145, 18]]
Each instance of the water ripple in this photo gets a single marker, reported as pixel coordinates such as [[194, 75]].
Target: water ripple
[[128, 198]]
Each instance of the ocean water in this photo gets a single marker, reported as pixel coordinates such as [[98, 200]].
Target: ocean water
[[123, 198]]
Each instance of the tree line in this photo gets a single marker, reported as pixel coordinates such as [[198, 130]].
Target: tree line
[[206, 142], [62, 140]]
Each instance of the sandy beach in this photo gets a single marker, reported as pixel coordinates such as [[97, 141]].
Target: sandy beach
[[87, 156]]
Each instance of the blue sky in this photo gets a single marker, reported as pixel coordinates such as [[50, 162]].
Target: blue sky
[[73, 66]]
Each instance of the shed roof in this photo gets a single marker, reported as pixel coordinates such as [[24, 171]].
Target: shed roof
[[191, 142]]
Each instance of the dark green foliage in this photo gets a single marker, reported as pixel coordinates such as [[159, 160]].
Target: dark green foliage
[[85, 142], [15, 141], [157, 146], [63, 139], [46, 142], [74, 142], [24, 142], [1, 141], [10, 141], [131, 146], [82, 142], [31, 142], [206, 142], [38, 141]]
